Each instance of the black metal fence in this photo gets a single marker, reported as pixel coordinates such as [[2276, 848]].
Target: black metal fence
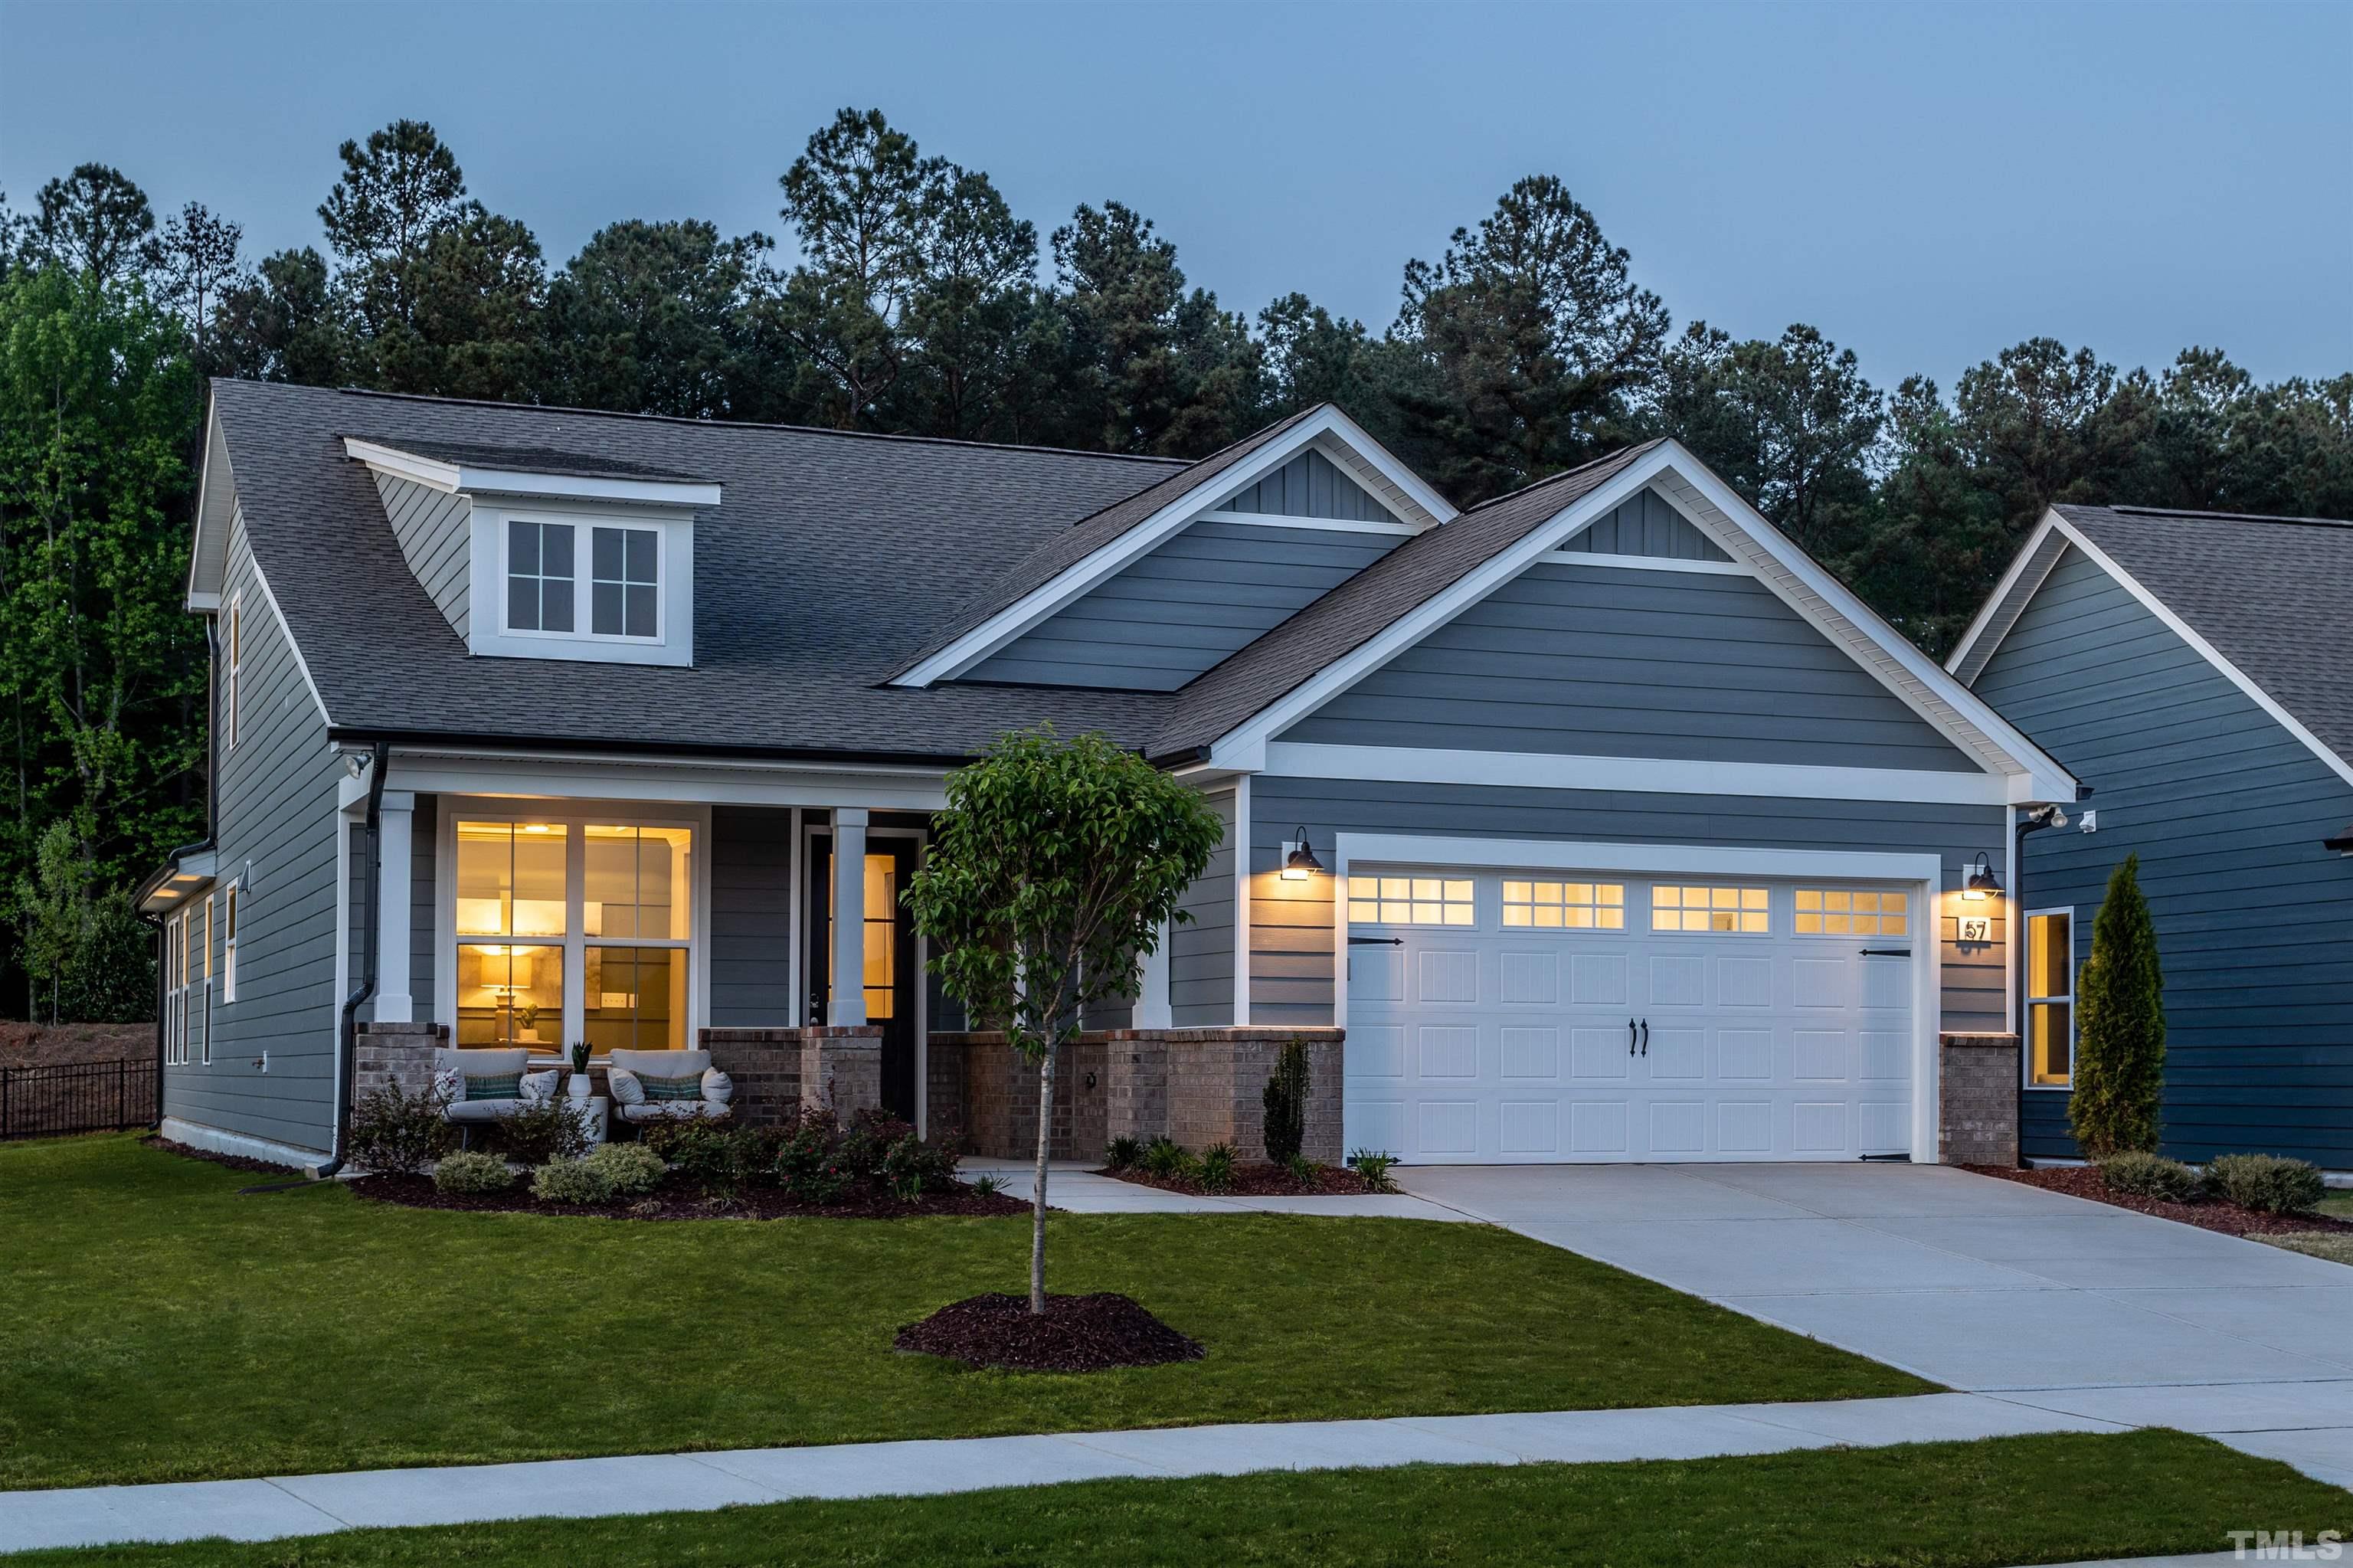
[[77, 1097]]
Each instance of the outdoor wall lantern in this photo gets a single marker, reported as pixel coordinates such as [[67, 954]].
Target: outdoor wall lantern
[[1982, 883], [1301, 862]]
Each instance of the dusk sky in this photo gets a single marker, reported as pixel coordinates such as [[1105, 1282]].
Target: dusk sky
[[1926, 184]]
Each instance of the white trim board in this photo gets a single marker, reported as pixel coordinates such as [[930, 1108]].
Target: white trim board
[[593, 777], [1998, 603], [1642, 563], [454, 478], [245, 1146], [2172, 622], [1923, 873], [1325, 525], [1668, 776], [1116, 556]]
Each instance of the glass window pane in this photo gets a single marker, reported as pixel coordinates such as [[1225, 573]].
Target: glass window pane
[[522, 549], [510, 995], [605, 609], [634, 998], [642, 542], [523, 604], [555, 604], [638, 620], [2047, 1043], [555, 550], [607, 554], [2048, 967]]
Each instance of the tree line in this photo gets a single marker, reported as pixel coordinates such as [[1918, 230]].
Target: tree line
[[916, 301]]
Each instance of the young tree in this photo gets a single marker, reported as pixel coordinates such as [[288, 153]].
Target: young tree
[[2119, 1025], [1049, 876]]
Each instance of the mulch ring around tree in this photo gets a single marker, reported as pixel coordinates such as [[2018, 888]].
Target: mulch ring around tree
[[1253, 1181], [1078, 1334], [676, 1200], [2209, 1213]]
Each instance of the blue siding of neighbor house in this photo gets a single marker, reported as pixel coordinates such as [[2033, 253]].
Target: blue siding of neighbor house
[[1623, 662], [1309, 485], [1646, 525], [276, 830], [1291, 922], [2227, 810], [1198, 597], [435, 531]]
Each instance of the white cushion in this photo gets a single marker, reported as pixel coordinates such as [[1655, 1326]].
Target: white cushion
[[661, 1064], [669, 1110], [623, 1087], [718, 1088], [494, 1063], [482, 1110], [540, 1086]]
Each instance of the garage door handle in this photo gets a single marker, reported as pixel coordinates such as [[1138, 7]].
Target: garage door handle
[[1629, 1037], [1887, 953], [1646, 1037], [1376, 941]]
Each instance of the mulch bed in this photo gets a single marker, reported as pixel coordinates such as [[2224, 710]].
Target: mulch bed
[[677, 1201], [1078, 1334], [54, 1044], [1254, 1182], [2211, 1213]]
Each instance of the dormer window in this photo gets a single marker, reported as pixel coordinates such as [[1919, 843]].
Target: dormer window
[[548, 575], [624, 593], [539, 576]]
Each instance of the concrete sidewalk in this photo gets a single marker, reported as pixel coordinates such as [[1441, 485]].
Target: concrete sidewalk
[[579, 1488]]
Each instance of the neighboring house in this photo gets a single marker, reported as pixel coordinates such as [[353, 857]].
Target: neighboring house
[[2196, 671], [1635, 835]]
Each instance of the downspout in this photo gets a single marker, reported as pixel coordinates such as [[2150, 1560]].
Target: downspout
[[347, 1036], [2031, 821]]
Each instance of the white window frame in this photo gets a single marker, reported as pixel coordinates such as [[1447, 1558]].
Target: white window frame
[[208, 979], [175, 989], [2026, 1017], [230, 898], [1798, 915], [575, 816], [1740, 911], [235, 661], [583, 576]]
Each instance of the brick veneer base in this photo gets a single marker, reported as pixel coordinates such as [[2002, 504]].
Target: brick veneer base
[[1199, 1086], [774, 1069], [394, 1054], [1976, 1099]]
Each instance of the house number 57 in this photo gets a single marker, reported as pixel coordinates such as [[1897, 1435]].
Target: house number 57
[[1977, 927]]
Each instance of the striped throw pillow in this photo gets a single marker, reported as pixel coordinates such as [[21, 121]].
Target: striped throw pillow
[[687, 1088], [495, 1086]]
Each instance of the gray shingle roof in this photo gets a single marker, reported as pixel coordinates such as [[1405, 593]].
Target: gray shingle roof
[[1358, 611], [830, 556], [2274, 595]]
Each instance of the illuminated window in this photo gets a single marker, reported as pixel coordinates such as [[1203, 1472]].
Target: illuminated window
[[1679, 909], [879, 937], [1848, 912], [1410, 901], [2050, 998], [1571, 905]]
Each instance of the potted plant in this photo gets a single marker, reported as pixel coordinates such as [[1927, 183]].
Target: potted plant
[[577, 1086]]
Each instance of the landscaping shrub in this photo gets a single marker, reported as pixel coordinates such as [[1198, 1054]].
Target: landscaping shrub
[[2119, 1025], [717, 1156], [912, 1168], [808, 1158], [1164, 1157], [1374, 1167], [2266, 1182], [1216, 1169], [400, 1134], [2146, 1175], [473, 1172], [1122, 1153], [571, 1182], [541, 1130], [632, 1168], [1303, 1170], [1285, 1102], [987, 1184]]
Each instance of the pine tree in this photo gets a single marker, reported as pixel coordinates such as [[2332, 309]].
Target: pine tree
[[2119, 1025]]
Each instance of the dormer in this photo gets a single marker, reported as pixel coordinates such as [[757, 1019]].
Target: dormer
[[536, 554]]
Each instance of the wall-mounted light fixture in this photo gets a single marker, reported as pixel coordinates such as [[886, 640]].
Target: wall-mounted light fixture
[[1982, 883], [1301, 862]]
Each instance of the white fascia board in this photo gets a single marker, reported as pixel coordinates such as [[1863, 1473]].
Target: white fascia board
[[1643, 563], [1669, 859], [454, 479], [2050, 780], [1360, 442], [1327, 524], [1983, 620], [605, 777], [1667, 776], [2207, 650], [1074, 581]]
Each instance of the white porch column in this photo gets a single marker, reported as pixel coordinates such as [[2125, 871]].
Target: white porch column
[[1153, 1007], [848, 1004], [394, 820]]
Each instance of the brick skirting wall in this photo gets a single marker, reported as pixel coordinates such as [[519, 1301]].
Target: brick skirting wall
[[1976, 1099], [1199, 1086], [394, 1054], [777, 1069]]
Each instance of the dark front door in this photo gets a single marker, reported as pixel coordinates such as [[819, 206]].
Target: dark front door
[[891, 976]]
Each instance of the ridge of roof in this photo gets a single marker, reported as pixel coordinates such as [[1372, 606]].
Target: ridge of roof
[[2204, 516]]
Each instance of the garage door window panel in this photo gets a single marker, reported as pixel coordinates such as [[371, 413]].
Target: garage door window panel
[[1410, 901], [1732, 911], [1565, 906], [1849, 912]]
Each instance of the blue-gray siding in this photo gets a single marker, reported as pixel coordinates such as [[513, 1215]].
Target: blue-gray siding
[[1646, 525], [750, 916], [1197, 599], [435, 533], [1621, 662], [1291, 922], [1309, 485], [1201, 949], [277, 829], [422, 854], [2226, 809]]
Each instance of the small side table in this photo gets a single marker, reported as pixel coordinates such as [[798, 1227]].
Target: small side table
[[591, 1113]]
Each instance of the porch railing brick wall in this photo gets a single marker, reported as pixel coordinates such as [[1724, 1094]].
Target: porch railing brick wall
[[777, 1069], [1199, 1086], [394, 1054], [1976, 1099]]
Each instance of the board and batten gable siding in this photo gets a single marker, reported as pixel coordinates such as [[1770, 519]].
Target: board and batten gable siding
[[435, 530], [1623, 662], [2227, 812], [1646, 525], [750, 946], [1291, 922], [276, 830], [1201, 949], [1309, 485], [1213, 589]]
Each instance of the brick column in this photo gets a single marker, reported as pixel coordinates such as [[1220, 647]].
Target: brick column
[[1976, 1099], [398, 1054], [842, 1065], [765, 1065]]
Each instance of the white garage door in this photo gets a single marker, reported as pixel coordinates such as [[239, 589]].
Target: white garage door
[[1502, 1016]]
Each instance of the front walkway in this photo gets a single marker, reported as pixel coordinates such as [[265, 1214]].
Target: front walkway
[[580, 1489], [1976, 1283]]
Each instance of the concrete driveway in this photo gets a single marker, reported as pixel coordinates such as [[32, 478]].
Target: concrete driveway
[[1978, 1284]]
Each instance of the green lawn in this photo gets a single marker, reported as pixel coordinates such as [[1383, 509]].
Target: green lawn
[[160, 1326], [2337, 1246], [1943, 1505]]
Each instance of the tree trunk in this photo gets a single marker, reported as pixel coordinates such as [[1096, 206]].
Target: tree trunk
[[1038, 1203]]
